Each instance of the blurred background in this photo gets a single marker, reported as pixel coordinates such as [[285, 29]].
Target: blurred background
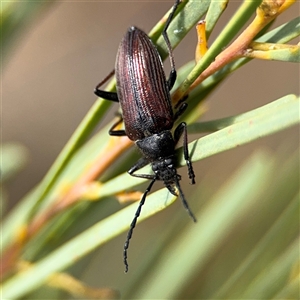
[[68, 47]]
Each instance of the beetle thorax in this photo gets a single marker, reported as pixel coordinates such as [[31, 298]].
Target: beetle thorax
[[157, 146]]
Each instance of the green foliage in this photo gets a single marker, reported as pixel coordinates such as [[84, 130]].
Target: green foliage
[[245, 244]]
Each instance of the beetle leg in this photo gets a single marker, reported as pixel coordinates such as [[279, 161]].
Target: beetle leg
[[181, 129], [180, 110], [171, 189], [111, 96], [145, 176], [104, 94], [172, 77], [113, 132], [138, 165]]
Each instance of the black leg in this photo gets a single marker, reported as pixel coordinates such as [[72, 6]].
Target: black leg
[[180, 110], [113, 132], [104, 94], [181, 129], [142, 162], [111, 96]]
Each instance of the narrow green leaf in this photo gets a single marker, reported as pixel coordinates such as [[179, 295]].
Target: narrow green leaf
[[72, 251], [17, 218], [263, 123], [156, 31], [283, 33], [287, 223], [277, 271], [197, 242], [214, 12], [78, 161], [289, 102], [291, 289], [182, 24], [232, 28], [236, 131], [291, 54], [270, 51], [80, 135]]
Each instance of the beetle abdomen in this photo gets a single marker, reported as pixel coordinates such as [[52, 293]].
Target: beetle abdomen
[[142, 86]]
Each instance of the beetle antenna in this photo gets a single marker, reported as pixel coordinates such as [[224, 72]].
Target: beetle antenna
[[133, 223], [172, 77], [184, 202]]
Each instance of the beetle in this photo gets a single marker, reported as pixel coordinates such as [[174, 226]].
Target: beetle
[[144, 96]]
